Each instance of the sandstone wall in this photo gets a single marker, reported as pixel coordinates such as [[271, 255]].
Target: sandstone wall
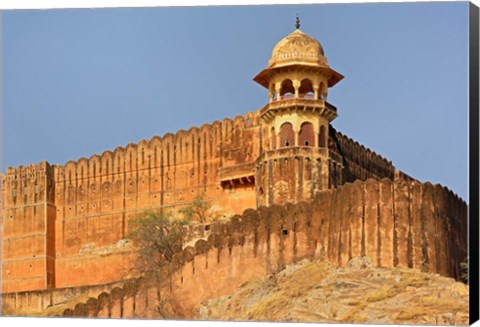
[[28, 218], [396, 224], [359, 161], [62, 224], [36, 301], [91, 202]]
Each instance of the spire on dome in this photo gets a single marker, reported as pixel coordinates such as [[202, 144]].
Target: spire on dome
[[297, 23]]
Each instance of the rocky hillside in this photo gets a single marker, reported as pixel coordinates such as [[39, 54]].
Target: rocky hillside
[[318, 292]]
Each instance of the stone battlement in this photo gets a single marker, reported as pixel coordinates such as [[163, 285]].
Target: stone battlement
[[372, 222]]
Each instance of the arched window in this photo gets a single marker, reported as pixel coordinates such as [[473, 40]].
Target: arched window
[[274, 139], [306, 89], [287, 136], [287, 90], [321, 137], [322, 91], [306, 136]]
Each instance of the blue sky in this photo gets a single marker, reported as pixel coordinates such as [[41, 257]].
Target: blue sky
[[78, 82]]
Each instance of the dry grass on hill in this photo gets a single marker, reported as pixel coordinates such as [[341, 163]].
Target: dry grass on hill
[[318, 292]]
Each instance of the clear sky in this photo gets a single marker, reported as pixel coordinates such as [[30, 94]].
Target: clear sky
[[79, 82]]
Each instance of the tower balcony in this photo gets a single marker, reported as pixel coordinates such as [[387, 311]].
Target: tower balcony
[[289, 104]]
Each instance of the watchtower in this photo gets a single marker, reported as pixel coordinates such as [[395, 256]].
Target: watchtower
[[296, 161]]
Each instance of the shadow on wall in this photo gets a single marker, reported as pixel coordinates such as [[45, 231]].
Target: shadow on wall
[[397, 224]]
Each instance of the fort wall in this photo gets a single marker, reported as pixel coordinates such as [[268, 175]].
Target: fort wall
[[359, 162], [98, 198], [28, 219], [53, 213], [395, 224], [92, 201]]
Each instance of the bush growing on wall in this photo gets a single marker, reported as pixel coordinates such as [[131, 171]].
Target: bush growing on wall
[[197, 210]]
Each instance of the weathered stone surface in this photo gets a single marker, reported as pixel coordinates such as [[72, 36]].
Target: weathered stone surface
[[66, 225], [285, 235], [69, 221]]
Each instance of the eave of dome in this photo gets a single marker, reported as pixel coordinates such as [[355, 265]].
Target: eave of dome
[[265, 75]]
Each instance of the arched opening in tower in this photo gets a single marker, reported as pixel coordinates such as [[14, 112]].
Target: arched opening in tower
[[306, 89], [287, 91], [321, 137], [287, 136], [306, 136]]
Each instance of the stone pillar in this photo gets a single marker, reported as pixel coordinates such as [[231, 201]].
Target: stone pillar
[[278, 88], [277, 140], [315, 92], [271, 92], [296, 86], [296, 129]]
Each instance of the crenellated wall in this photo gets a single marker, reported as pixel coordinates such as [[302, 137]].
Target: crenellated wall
[[359, 162], [64, 224], [92, 201], [396, 224]]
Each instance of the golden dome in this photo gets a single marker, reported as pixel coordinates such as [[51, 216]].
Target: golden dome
[[297, 48], [297, 51]]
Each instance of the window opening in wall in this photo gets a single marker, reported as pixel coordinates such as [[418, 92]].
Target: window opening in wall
[[285, 232], [287, 135], [306, 136], [306, 89], [287, 90]]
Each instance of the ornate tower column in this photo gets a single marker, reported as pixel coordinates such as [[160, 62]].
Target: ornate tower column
[[298, 163]]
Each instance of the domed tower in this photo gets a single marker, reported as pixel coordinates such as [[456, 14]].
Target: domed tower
[[296, 162]]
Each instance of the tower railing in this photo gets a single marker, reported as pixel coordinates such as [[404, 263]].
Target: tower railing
[[307, 100], [289, 96]]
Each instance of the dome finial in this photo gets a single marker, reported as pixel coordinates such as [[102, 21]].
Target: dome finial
[[297, 23]]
